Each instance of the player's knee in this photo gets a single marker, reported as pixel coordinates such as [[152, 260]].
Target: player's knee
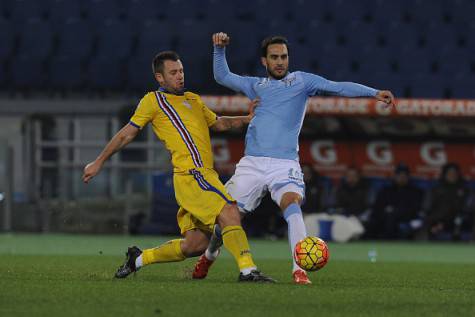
[[288, 199], [229, 216]]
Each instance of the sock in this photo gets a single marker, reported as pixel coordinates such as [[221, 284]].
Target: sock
[[296, 228], [211, 256], [235, 241], [215, 243], [139, 261], [170, 251]]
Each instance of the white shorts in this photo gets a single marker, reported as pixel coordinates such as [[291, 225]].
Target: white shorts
[[254, 176]]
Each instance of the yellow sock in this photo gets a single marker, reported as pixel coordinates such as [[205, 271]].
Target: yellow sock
[[235, 241], [170, 251]]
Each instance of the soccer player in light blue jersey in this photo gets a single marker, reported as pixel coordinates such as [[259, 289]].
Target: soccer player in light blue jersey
[[271, 161]]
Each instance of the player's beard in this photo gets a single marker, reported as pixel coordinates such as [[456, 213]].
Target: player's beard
[[277, 76]]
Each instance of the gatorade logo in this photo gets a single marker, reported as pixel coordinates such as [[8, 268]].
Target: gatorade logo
[[324, 152], [433, 153], [380, 152]]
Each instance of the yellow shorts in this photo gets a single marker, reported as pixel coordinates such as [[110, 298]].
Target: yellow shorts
[[201, 197]]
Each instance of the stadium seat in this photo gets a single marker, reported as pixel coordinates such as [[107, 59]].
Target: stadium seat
[[139, 75], [28, 73], [428, 87], [463, 87], [184, 10], [194, 41], [7, 38], [115, 39], [36, 39], [105, 74], [154, 37], [22, 10], [143, 11], [4, 76], [66, 73], [60, 11], [75, 40], [97, 11]]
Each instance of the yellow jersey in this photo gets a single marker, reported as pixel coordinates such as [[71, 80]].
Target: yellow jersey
[[182, 123]]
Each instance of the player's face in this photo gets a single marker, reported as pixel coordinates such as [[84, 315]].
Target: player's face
[[277, 61], [173, 77]]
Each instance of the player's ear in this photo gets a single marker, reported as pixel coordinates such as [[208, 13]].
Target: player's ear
[[264, 62], [159, 77]]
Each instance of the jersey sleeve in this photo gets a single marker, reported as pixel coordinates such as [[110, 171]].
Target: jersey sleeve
[[317, 85], [225, 77], [209, 114], [144, 113]]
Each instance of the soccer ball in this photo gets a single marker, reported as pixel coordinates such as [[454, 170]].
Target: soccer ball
[[311, 253]]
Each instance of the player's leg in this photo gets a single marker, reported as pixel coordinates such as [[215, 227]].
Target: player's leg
[[235, 241], [290, 206], [287, 190], [194, 243], [246, 186]]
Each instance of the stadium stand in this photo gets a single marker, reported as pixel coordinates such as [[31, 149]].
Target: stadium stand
[[322, 34]]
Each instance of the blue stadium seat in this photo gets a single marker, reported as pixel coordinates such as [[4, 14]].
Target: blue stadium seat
[[454, 63], [245, 41], [66, 73], [462, 87], [440, 39], [27, 72], [22, 10], [98, 11], [198, 75], [36, 39], [75, 39], [139, 75], [59, 11], [319, 36], [154, 37], [115, 39], [347, 11], [177, 10], [428, 87], [461, 12], [301, 58], [194, 41], [4, 76], [416, 62], [105, 73], [308, 11], [7, 38], [142, 11]]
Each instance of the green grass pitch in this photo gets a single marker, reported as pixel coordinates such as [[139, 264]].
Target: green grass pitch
[[71, 275]]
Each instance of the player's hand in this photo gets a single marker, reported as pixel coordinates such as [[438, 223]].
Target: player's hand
[[252, 106], [387, 97], [220, 39], [91, 170]]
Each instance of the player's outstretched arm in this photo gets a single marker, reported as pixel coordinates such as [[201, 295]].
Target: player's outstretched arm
[[317, 84], [121, 139], [221, 72], [227, 123]]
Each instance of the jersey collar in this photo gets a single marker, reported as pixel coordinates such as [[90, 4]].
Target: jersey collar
[[161, 89]]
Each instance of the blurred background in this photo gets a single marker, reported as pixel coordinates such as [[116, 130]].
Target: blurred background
[[72, 73]]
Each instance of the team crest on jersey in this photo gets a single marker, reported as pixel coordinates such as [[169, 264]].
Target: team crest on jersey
[[289, 80]]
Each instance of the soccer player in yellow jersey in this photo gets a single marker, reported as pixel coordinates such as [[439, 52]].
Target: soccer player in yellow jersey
[[181, 120]]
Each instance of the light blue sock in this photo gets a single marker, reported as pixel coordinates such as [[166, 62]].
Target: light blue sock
[[296, 228]]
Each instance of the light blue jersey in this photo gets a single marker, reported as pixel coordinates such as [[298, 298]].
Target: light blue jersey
[[274, 130]]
